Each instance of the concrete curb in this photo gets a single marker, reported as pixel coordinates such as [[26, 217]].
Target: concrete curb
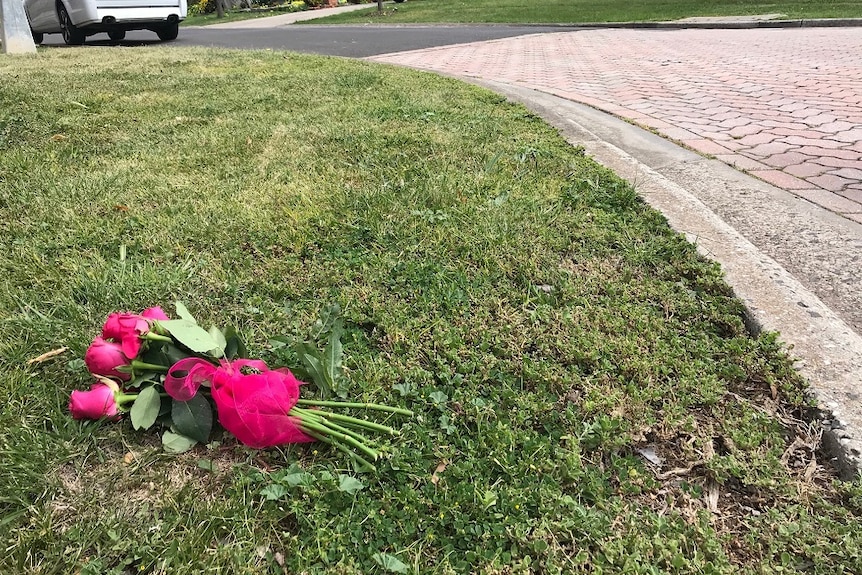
[[673, 180]]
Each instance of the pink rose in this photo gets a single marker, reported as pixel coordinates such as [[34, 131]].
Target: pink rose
[[127, 329], [254, 402], [97, 403], [104, 357]]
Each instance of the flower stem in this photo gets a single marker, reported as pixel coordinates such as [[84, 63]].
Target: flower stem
[[352, 421], [341, 447], [306, 415], [322, 428], [122, 398], [150, 336], [372, 406], [144, 366]]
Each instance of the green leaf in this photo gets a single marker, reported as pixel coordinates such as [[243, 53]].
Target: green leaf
[[332, 358], [184, 313], [274, 491], [489, 499], [206, 464], [234, 346], [193, 418], [349, 484], [326, 321], [176, 443], [311, 359], [191, 335], [390, 562], [76, 364], [221, 342], [299, 478], [146, 408]]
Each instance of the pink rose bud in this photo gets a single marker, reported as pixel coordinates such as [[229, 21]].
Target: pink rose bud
[[97, 403], [104, 357]]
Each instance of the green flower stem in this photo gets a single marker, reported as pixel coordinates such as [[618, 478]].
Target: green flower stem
[[144, 366], [320, 428], [372, 406], [122, 398], [150, 336], [309, 415], [341, 447], [352, 421]]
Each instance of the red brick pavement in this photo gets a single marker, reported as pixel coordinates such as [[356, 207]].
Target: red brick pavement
[[784, 105]]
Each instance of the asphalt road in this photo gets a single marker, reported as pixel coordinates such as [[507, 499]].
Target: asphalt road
[[348, 41]]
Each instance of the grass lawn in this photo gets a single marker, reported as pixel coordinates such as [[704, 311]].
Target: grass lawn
[[587, 397], [571, 11]]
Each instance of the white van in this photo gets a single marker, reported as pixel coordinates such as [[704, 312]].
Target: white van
[[77, 19]]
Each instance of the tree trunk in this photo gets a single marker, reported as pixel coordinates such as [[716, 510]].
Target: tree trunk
[[219, 9], [380, 5]]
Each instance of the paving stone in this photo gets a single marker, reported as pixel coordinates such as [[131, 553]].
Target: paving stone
[[829, 153], [820, 142], [849, 136], [806, 169], [837, 162], [757, 139], [782, 179], [770, 149], [705, 146], [785, 160], [848, 173], [830, 182], [746, 130], [854, 195]]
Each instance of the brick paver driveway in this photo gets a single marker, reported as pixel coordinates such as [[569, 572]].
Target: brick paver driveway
[[784, 105]]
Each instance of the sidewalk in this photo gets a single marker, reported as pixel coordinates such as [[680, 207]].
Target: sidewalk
[[289, 18]]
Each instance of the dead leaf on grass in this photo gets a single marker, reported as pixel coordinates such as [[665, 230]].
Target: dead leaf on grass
[[710, 496], [441, 467], [47, 355]]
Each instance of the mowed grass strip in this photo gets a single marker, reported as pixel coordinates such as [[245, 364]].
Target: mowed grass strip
[[581, 11], [587, 397]]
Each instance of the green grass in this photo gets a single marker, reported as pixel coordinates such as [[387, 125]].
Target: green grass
[[572, 11], [544, 324]]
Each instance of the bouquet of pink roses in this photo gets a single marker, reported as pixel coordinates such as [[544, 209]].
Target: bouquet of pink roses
[[174, 372]]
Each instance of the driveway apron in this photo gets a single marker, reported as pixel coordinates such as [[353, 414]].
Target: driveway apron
[[784, 105]]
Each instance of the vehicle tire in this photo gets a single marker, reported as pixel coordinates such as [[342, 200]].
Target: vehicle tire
[[168, 32], [37, 37], [72, 35], [117, 35]]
